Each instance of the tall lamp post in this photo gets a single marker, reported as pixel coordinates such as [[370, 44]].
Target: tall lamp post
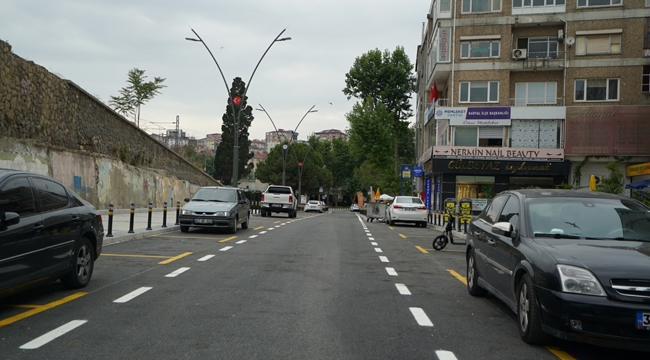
[[284, 164], [236, 100]]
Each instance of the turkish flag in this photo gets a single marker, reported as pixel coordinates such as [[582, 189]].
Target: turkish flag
[[434, 93]]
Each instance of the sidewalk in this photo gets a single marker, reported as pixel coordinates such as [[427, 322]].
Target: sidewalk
[[121, 220]]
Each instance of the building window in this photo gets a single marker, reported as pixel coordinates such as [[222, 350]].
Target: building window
[[647, 31], [598, 44], [539, 48], [479, 49], [589, 3], [479, 91], [535, 93], [479, 6], [487, 136], [540, 3], [533, 133], [645, 81], [596, 90], [445, 5]]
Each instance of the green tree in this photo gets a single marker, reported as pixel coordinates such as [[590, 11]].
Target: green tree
[[384, 78], [341, 164], [136, 94], [223, 156], [612, 184]]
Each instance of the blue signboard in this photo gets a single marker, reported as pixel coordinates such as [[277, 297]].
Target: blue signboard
[[428, 193], [406, 170], [417, 171]]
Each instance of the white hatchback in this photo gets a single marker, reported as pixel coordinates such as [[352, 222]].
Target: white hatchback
[[407, 209]]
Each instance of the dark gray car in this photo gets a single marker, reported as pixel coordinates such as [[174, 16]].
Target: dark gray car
[[216, 207]]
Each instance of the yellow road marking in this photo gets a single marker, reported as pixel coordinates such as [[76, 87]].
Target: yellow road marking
[[40, 308], [390, 227], [402, 236], [559, 353], [275, 222], [174, 258], [20, 306], [142, 256], [228, 239], [259, 227], [421, 249], [458, 276]]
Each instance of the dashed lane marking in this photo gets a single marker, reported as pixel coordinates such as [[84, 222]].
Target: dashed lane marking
[[252, 236], [403, 290], [391, 271], [402, 236], [458, 276], [225, 248], [259, 227], [374, 243], [559, 353], [421, 249], [132, 295], [136, 255], [206, 258], [383, 259], [39, 309], [420, 316], [174, 258], [263, 232], [378, 250], [61, 330], [228, 239], [177, 272], [445, 355], [240, 242]]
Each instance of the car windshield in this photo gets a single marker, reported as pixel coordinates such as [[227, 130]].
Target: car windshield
[[588, 218], [212, 194], [407, 200]]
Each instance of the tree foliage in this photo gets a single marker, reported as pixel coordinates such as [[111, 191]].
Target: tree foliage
[[223, 158], [136, 94], [201, 160], [612, 184]]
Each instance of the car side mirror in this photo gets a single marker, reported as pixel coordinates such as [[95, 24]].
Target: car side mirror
[[10, 218], [243, 201], [504, 229], [187, 199]]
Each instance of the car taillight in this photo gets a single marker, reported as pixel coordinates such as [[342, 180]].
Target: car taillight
[[422, 208], [398, 207], [262, 199], [290, 198], [99, 218]]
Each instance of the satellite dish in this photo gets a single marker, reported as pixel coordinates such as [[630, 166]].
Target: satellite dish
[[570, 40]]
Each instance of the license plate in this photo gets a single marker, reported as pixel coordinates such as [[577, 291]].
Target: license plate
[[203, 221], [643, 320], [409, 209], [276, 205]]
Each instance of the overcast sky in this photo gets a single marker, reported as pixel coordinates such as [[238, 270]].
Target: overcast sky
[[94, 43]]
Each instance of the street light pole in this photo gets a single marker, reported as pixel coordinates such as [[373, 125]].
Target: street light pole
[[284, 164], [237, 115]]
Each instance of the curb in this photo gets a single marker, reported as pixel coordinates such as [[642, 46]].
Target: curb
[[128, 237]]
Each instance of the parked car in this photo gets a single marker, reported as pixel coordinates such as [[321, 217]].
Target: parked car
[[47, 232], [325, 206], [216, 207], [354, 207], [407, 209], [313, 205], [279, 199], [571, 264]]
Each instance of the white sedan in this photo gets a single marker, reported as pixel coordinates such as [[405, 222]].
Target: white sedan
[[408, 209], [313, 205]]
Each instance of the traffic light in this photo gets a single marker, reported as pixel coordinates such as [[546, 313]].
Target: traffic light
[[236, 100], [593, 182]]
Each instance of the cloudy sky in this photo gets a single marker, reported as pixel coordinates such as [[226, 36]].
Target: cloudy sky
[[95, 43]]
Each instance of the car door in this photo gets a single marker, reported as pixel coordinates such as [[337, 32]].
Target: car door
[[242, 207], [482, 238], [502, 249], [61, 221], [19, 243]]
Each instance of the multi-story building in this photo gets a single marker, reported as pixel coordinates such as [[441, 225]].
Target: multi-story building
[[530, 93], [175, 139], [331, 134], [274, 138]]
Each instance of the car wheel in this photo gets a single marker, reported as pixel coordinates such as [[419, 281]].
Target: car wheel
[[244, 225], [233, 229], [472, 277], [391, 222], [529, 320], [82, 269], [185, 228]]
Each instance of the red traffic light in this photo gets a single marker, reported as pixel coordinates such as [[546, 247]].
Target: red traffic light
[[236, 100], [300, 164]]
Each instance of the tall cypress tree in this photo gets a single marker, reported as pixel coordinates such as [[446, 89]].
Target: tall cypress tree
[[224, 153]]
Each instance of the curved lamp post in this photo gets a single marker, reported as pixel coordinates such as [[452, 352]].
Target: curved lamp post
[[236, 100]]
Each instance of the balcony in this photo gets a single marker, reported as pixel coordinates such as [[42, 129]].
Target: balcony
[[542, 60], [536, 102]]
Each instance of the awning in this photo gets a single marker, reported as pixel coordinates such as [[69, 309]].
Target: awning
[[638, 185]]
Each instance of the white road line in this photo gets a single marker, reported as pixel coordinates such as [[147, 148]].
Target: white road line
[[445, 355], [283, 224], [252, 236], [177, 272], [206, 258], [378, 250], [371, 238], [369, 234], [262, 232], [277, 226], [421, 317], [225, 248], [403, 290], [240, 242], [373, 243], [366, 230], [383, 259], [61, 330], [269, 229], [133, 294], [391, 271]]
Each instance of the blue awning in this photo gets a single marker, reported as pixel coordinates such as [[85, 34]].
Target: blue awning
[[638, 185]]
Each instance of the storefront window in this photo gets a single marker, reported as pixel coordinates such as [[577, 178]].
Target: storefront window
[[478, 188], [531, 183]]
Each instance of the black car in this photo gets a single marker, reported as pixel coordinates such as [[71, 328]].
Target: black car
[[47, 232], [572, 264], [216, 207]]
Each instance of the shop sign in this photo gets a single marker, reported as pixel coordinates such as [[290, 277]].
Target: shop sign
[[637, 170], [417, 171], [445, 34], [464, 166], [406, 171], [428, 193], [479, 204], [475, 116], [498, 153]]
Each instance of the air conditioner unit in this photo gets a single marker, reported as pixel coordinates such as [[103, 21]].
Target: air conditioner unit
[[560, 35], [519, 54], [646, 52]]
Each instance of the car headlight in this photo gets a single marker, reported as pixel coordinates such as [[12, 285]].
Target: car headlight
[[186, 212], [221, 213], [579, 281]]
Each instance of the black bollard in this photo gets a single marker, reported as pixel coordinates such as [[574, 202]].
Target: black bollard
[[110, 221], [164, 215], [150, 209], [178, 211], [131, 220]]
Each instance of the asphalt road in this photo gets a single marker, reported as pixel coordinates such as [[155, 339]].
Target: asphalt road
[[322, 286]]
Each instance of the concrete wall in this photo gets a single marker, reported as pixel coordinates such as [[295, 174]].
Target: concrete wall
[[51, 126]]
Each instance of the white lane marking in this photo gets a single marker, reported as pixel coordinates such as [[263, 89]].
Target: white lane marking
[[420, 316], [240, 242], [403, 290], [391, 271], [283, 224], [206, 258], [177, 272], [262, 232], [445, 355], [373, 243], [133, 294], [46, 338], [371, 238], [369, 234], [383, 259], [269, 229], [366, 230], [378, 250], [252, 236], [277, 226], [225, 248]]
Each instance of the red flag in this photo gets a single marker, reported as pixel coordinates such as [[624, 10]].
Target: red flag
[[434, 92], [431, 94]]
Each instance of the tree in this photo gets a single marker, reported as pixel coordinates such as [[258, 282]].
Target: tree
[[614, 183], [384, 78], [223, 156], [135, 95]]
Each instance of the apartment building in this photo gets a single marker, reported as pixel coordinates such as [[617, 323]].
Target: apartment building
[[530, 93]]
